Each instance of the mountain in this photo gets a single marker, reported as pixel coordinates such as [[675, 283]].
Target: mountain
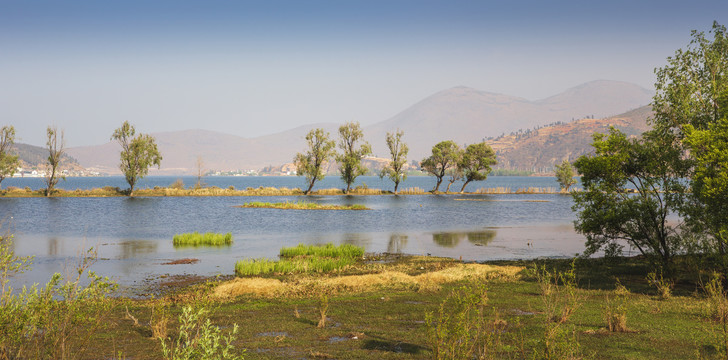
[[462, 114], [31, 156], [540, 149]]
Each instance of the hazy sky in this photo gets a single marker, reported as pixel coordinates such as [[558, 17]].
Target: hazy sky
[[251, 68]]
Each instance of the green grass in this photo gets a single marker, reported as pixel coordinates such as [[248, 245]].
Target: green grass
[[301, 205], [206, 239], [302, 259], [328, 250]]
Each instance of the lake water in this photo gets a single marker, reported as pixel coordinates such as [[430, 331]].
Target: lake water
[[133, 236]]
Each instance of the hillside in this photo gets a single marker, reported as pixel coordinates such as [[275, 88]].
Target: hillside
[[538, 150], [35, 157], [461, 114]]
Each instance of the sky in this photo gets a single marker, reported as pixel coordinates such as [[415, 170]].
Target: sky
[[252, 68]]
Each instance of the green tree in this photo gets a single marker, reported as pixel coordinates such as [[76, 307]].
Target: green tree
[[55, 156], [475, 163], [444, 156], [138, 154], [455, 172], [350, 158], [310, 164], [690, 102], [565, 175], [629, 190], [8, 161], [398, 150]]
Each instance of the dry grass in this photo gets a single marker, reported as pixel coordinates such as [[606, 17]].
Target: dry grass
[[327, 192], [309, 285], [411, 191]]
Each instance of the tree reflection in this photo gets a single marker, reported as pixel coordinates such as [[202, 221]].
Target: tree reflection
[[481, 238], [448, 239], [452, 239], [132, 248], [397, 243]]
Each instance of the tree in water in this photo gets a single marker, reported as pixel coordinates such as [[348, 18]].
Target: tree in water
[[310, 164], [55, 155], [398, 150], [444, 156], [8, 161], [138, 154], [565, 175], [350, 158], [475, 163]]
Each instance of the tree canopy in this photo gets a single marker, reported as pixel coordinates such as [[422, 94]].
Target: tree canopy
[[565, 175], [8, 161], [350, 134], [475, 163], [310, 164], [444, 156], [138, 154]]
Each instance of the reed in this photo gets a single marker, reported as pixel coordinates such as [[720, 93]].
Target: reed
[[206, 239], [301, 205], [255, 267], [328, 250], [411, 191]]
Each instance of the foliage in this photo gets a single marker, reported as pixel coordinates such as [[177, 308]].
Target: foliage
[[565, 175], [350, 159], [197, 239], [199, 339], [55, 155], [310, 164], [138, 154], [8, 161], [663, 286], [444, 156], [608, 213], [398, 150], [475, 163], [717, 315]]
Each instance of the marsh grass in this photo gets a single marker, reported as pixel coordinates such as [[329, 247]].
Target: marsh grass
[[301, 205], [328, 250], [412, 191], [206, 239]]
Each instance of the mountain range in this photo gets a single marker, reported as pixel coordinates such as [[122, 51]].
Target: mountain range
[[462, 114]]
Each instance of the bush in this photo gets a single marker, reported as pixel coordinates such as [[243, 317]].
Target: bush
[[199, 339]]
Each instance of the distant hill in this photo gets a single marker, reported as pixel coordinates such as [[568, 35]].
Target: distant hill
[[461, 114], [36, 157], [539, 149]]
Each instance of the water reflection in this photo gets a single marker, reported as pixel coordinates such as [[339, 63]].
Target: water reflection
[[357, 239], [397, 243], [452, 239], [130, 249], [53, 245]]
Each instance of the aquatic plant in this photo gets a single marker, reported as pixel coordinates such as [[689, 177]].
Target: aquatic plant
[[206, 239]]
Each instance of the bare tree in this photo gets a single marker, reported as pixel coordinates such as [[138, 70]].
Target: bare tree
[[200, 172], [55, 155]]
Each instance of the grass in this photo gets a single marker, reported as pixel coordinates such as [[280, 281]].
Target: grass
[[303, 259], [301, 205], [206, 239], [328, 250]]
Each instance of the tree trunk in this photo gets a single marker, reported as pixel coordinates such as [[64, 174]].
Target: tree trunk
[[447, 190], [437, 186], [462, 190], [396, 184], [310, 186]]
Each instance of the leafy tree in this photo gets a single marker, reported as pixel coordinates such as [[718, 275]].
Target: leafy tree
[[475, 163], [444, 157], [609, 213], [55, 155], [320, 150], [8, 161], [690, 103], [455, 172], [398, 150], [138, 154], [565, 175], [352, 153]]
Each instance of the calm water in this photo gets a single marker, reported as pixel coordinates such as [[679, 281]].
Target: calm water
[[134, 235]]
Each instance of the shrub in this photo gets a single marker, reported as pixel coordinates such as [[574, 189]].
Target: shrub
[[199, 339], [663, 286]]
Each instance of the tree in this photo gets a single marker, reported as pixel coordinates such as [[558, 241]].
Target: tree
[[138, 154], [200, 172], [629, 190], [8, 161], [565, 175], [475, 163], [55, 155], [320, 150], [352, 153], [690, 104], [455, 172], [398, 150], [444, 156]]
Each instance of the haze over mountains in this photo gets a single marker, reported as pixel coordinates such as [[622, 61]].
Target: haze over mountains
[[461, 114]]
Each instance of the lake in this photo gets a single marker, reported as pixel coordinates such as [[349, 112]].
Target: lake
[[133, 236]]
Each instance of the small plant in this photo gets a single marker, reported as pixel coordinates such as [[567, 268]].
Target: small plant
[[323, 308], [177, 185], [159, 321], [718, 313], [663, 286], [199, 339], [206, 239]]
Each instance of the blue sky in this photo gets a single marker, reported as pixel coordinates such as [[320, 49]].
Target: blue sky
[[251, 68]]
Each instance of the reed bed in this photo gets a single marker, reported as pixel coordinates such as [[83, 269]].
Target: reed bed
[[508, 190], [206, 239], [366, 191], [302, 259], [411, 191], [328, 250], [301, 205], [328, 192]]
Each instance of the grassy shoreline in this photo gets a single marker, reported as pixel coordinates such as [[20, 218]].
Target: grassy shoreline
[[108, 191]]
